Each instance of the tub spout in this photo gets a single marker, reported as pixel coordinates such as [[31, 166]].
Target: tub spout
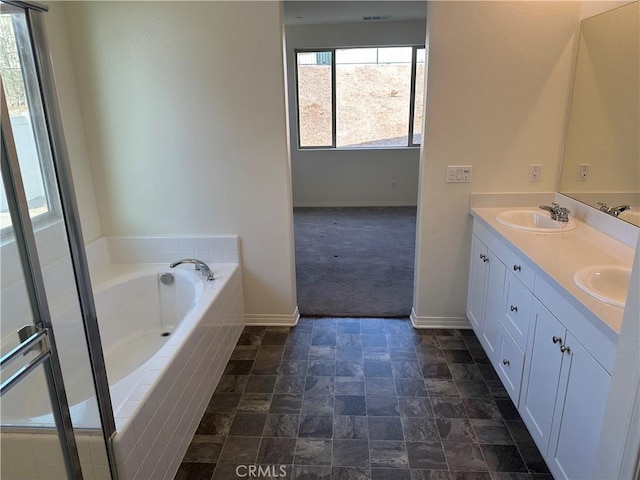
[[200, 266]]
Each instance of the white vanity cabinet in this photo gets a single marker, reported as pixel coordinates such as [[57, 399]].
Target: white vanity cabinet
[[478, 272], [554, 362], [496, 291], [510, 365], [542, 375], [579, 412], [563, 397], [484, 304]]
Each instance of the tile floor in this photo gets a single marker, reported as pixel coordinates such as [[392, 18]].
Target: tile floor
[[352, 399]]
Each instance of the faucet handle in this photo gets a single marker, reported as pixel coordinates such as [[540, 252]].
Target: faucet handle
[[603, 206], [562, 214]]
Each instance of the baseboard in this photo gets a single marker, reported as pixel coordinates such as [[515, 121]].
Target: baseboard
[[438, 322], [268, 320], [397, 203]]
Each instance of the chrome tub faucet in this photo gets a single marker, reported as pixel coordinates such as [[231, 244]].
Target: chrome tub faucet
[[200, 266], [558, 213]]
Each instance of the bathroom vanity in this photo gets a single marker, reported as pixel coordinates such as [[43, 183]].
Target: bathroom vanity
[[551, 343]]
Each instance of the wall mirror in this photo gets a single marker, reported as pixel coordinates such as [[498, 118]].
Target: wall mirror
[[601, 159]]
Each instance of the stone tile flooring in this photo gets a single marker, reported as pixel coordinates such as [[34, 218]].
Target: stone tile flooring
[[352, 399]]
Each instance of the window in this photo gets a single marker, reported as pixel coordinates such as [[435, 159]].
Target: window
[[28, 124], [360, 97]]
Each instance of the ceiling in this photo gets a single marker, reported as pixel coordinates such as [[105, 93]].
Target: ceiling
[[337, 11]]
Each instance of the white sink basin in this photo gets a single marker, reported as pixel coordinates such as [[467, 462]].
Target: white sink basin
[[631, 216], [538, 221], [607, 283]]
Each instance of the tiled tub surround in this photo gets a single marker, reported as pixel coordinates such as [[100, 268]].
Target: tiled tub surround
[[357, 399], [158, 405]]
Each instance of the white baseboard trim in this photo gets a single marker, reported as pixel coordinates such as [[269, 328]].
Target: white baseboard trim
[[438, 322], [398, 203], [268, 320]]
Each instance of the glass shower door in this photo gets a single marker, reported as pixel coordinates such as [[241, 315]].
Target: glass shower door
[[31, 386], [45, 282]]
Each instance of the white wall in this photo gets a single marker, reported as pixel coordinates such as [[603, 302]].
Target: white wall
[[591, 8], [498, 82], [185, 118], [72, 118], [351, 177]]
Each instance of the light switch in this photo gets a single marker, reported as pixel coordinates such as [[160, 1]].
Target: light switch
[[459, 174]]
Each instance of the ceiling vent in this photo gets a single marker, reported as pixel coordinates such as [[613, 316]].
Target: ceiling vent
[[376, 18]]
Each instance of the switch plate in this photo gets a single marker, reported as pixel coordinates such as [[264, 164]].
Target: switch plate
[[535, 170], [459, 174], [583, 172]]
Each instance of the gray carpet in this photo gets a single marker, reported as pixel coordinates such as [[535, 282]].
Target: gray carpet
[[355, 262]]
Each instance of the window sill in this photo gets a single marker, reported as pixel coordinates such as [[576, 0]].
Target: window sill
[[354, 149]]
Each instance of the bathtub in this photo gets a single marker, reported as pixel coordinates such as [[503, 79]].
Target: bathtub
[[165, 347]]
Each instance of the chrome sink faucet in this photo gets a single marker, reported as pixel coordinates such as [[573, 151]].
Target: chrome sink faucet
[[558, 213], [615, 211], [200, 266]]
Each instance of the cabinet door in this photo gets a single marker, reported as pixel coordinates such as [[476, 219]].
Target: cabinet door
[[477, 285], [542, 373], [510, 365], [493, 311], [582, 397]]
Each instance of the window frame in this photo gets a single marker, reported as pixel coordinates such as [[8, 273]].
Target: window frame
[[42, 140], [332, 51]]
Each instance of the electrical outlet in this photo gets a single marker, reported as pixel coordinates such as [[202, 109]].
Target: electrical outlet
[[535, 170], [583, 172], [459, 174]]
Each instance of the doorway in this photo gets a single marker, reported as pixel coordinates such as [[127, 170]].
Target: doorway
[[355, 261]]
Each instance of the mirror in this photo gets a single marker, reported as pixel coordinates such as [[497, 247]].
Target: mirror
[[601, 160]]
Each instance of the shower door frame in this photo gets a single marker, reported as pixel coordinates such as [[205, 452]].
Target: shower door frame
[[42, 338], [34, 15]]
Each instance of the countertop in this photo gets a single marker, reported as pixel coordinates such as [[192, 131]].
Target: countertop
[[557, 256]]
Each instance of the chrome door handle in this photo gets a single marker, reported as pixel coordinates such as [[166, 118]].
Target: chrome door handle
[[514, 309], [517, 268], [564, 349], [484, 258], [506, 362], [556, 339]]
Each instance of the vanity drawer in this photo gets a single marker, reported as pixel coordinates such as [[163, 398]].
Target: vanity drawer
[[520, 269], [517, 309], [510, 365]]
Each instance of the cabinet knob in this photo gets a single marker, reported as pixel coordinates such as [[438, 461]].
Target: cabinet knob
[[506, 362], [556, 339], [484, 258], [517, 268], [515, 309], [564, 349]]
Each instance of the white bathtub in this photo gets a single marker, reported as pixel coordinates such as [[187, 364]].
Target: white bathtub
[[134, 311], [159, 384]]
